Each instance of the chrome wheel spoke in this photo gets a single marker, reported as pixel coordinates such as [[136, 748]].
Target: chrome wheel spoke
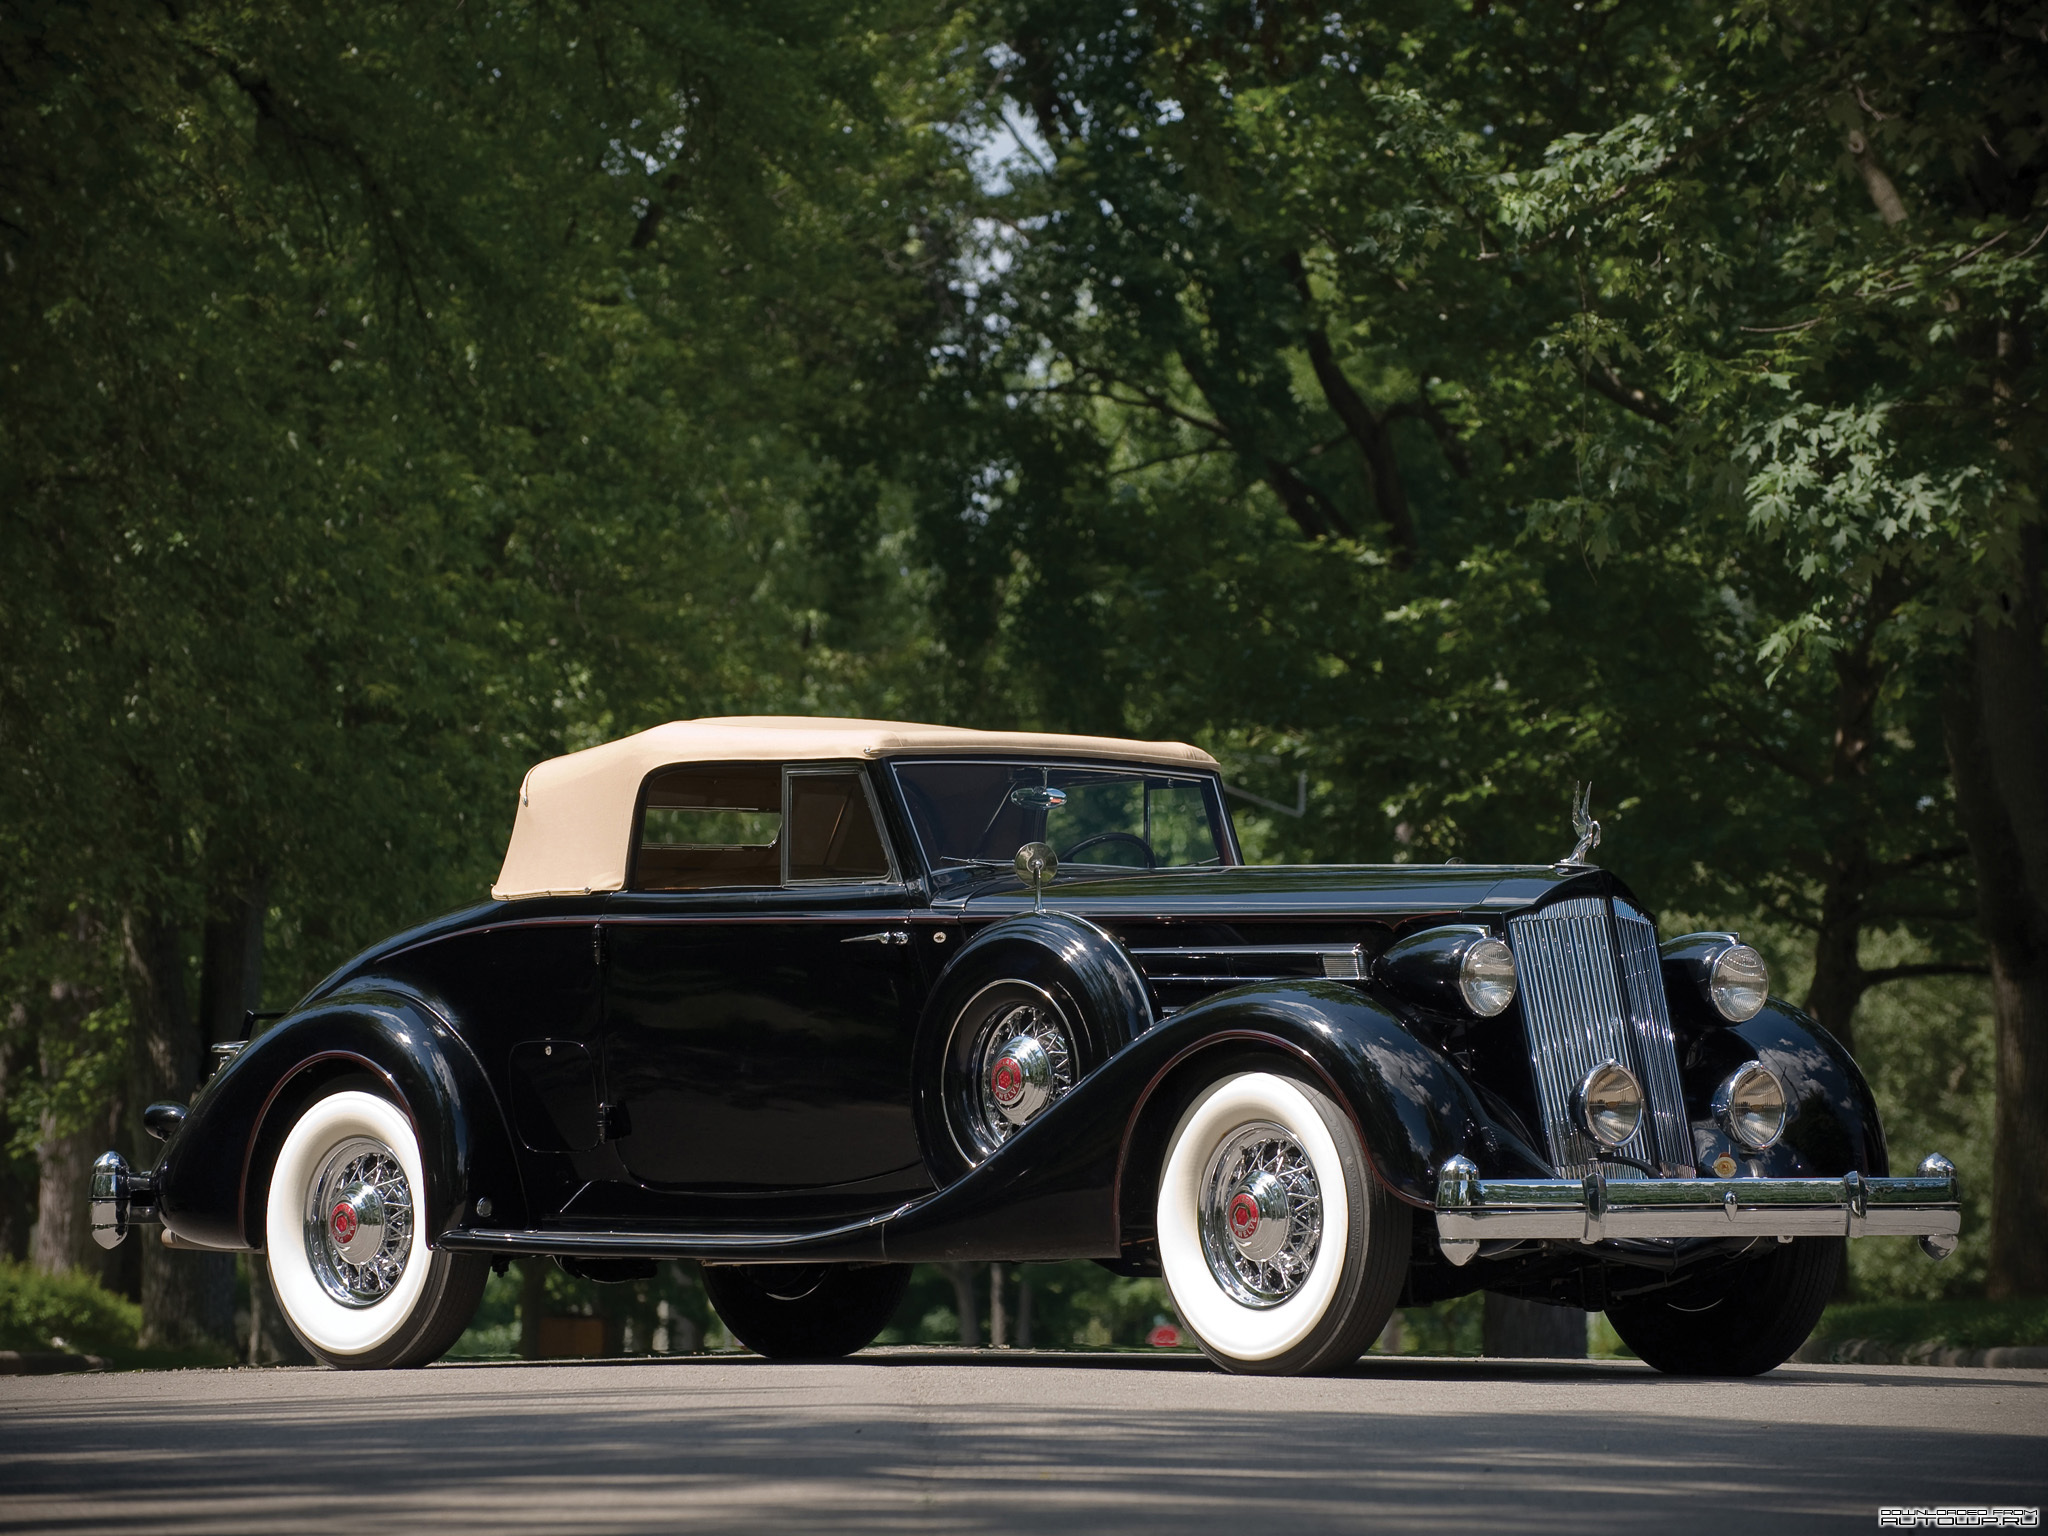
[[1003, 1029], [1261, 1215], [359, 1222]]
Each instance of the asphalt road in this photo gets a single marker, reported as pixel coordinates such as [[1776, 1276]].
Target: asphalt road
[[958, 1441]]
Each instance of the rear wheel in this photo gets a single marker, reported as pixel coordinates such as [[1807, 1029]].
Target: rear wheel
[[1739, 1322], [805, 1311], [1283, 1253], [345, 1234]]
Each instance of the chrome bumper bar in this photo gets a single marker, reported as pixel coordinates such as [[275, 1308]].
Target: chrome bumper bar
[[1471, 1210]]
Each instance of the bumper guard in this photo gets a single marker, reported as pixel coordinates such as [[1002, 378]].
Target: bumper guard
[[121, 1197], [1471, 1210]]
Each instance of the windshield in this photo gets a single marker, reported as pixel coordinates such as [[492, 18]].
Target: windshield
[[973, 817]]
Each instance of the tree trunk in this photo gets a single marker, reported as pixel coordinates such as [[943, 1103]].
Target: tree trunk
[[962, 1276], [271, 1340], [231, 965], [998, 1314], [533, 1301], [188, 1299], [17, 1189], [1530, 1330], [63, 1236], [1839, 980], [1838, 975], [64, 1152], [1995, 718], [1023, 1308]]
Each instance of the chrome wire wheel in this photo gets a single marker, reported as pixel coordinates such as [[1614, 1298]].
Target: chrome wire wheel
[[1261, 1215], [1020, 1058], [1282, 1251], [358, 1222], [345, 1233]]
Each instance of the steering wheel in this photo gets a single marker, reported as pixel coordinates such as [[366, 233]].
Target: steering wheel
[[1151, 858]]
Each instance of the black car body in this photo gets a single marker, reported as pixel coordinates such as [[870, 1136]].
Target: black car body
[[748, 1054]]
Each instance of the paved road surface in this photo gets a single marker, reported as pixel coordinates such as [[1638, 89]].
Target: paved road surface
[[924, 1440]]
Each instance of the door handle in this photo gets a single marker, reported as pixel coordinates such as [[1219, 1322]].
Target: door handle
[[887, 936]]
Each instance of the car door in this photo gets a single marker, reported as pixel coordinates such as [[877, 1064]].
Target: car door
[[757, 1035]]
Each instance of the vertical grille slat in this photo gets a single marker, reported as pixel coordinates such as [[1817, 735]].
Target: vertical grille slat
[[1583, 1004], [1652, 1017]]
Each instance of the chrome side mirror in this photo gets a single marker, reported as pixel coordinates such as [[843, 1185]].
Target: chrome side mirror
[[1036, 865]]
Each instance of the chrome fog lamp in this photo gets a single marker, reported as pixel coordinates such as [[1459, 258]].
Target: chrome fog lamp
[[1739, 983], [1609, 1104], [1486, 977], [1751, 1106]]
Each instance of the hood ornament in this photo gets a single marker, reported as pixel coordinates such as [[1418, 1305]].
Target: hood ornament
[[1583, 824]]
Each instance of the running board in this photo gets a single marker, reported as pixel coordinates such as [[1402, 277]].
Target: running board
[[854, 1241]]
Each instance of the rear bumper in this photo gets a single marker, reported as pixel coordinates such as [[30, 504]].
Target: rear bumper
[[121, 1197], [1471, 1210]]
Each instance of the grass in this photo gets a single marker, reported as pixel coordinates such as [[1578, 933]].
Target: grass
[[1960, 1324]]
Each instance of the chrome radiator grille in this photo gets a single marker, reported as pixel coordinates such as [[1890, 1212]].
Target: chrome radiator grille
[[1582, 1004]]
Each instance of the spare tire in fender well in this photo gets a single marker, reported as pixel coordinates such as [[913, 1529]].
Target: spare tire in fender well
[[1084, 971]]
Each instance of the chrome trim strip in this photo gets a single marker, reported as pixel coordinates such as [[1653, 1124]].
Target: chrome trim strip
[[1471, 1209], [1254, 949], [1339, 962]]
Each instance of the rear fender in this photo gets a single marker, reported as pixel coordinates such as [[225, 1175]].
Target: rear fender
[[214, 1178]]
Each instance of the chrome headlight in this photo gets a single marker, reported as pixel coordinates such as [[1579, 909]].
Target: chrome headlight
[[1739, 984], [1609, 1104], [1486, 977], [1751, 1106], [1458, 966], [1731, 977]]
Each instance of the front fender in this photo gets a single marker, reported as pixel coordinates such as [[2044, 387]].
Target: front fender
[[1833, 1127], [214, 1177], [1076, 1180]]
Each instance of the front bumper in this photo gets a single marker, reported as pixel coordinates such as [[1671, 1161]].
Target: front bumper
[[1471, 1210]]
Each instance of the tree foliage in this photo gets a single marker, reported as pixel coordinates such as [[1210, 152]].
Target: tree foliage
[[1443, 402]]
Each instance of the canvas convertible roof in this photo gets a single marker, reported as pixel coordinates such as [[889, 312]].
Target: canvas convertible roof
[[574, 829]]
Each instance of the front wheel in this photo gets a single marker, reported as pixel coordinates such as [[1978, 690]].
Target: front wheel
[[345, 1233], [1283, 1253], [805, 1311], [1739, 1322]]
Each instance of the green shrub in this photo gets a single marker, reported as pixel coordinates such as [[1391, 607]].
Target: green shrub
[[38, 1310], [1960, 1323]]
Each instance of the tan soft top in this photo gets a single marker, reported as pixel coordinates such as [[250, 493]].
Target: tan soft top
[[574, 829]]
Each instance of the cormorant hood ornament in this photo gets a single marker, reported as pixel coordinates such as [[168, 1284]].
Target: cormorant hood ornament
[[1583, 824]]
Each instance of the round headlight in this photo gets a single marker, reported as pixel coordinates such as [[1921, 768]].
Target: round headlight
[[1486, 977], [1751, 1106], [1610, 1104], [1739, 983]]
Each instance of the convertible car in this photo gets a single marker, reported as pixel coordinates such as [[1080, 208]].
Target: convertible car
[[811, 1000]]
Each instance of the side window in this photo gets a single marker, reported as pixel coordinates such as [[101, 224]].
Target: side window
[[709, 827], [832, 831]]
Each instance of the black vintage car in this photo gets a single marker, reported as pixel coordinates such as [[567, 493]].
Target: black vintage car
[[812, 1000]]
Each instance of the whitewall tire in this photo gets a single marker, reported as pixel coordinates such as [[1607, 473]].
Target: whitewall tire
[[1283, 1252], [345, 1235]]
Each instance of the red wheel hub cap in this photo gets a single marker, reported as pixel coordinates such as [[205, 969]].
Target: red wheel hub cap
[[1006, 1080], [343, 1221], [1244, 1216]]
